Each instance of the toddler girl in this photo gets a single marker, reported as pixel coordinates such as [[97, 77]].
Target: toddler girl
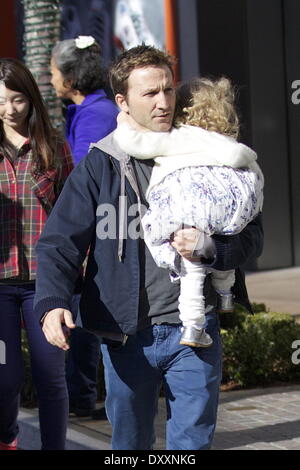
[[202, 178]]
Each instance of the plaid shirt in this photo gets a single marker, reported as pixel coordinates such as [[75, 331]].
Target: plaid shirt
[[25, 202]]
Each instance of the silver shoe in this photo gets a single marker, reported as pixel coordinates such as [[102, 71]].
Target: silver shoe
[[191, 336], [225, 303]]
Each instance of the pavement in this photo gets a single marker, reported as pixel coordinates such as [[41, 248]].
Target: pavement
[[255, 419], [279, 289], [258, 419]]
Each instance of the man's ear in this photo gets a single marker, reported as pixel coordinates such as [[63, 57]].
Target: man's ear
[[121, 102]]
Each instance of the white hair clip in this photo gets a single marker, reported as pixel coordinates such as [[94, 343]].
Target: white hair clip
[[82, 42]]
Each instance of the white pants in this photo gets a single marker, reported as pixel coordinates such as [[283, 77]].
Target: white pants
[[191, 299]]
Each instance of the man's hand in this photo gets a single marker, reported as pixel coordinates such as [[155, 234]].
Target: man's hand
[[185, 241], [53, 328]]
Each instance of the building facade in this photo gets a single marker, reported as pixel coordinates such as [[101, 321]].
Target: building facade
[[255, 43]]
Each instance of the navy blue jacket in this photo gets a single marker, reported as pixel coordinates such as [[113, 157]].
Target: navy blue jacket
[[110, 295]]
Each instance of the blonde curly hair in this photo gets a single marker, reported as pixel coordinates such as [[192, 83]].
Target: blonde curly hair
[[208, 104]]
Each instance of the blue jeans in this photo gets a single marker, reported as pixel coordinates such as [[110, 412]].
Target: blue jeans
[[47, 366], [191, 378]]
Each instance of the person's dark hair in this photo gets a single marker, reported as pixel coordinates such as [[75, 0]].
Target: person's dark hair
[[43, 138], [134, 58], [82, 67]]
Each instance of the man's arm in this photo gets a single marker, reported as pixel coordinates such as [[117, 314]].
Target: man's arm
[[62, 248], [230, 251], [235, 250]]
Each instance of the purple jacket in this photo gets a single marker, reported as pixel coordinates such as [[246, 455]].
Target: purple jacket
[[89, 122]]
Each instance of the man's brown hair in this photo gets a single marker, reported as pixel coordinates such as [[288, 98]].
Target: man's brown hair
[[134, 58]]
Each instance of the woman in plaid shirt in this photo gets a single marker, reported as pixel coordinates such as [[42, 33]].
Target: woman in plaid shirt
[[34, 164]]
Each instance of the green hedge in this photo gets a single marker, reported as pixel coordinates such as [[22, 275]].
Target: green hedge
[[257, 350]]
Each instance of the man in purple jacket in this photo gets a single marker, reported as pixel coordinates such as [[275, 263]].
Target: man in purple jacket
[[77, 75]]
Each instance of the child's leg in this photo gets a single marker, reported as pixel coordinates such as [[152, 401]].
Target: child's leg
[[192, 304], [191, 299], [223, 281]]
